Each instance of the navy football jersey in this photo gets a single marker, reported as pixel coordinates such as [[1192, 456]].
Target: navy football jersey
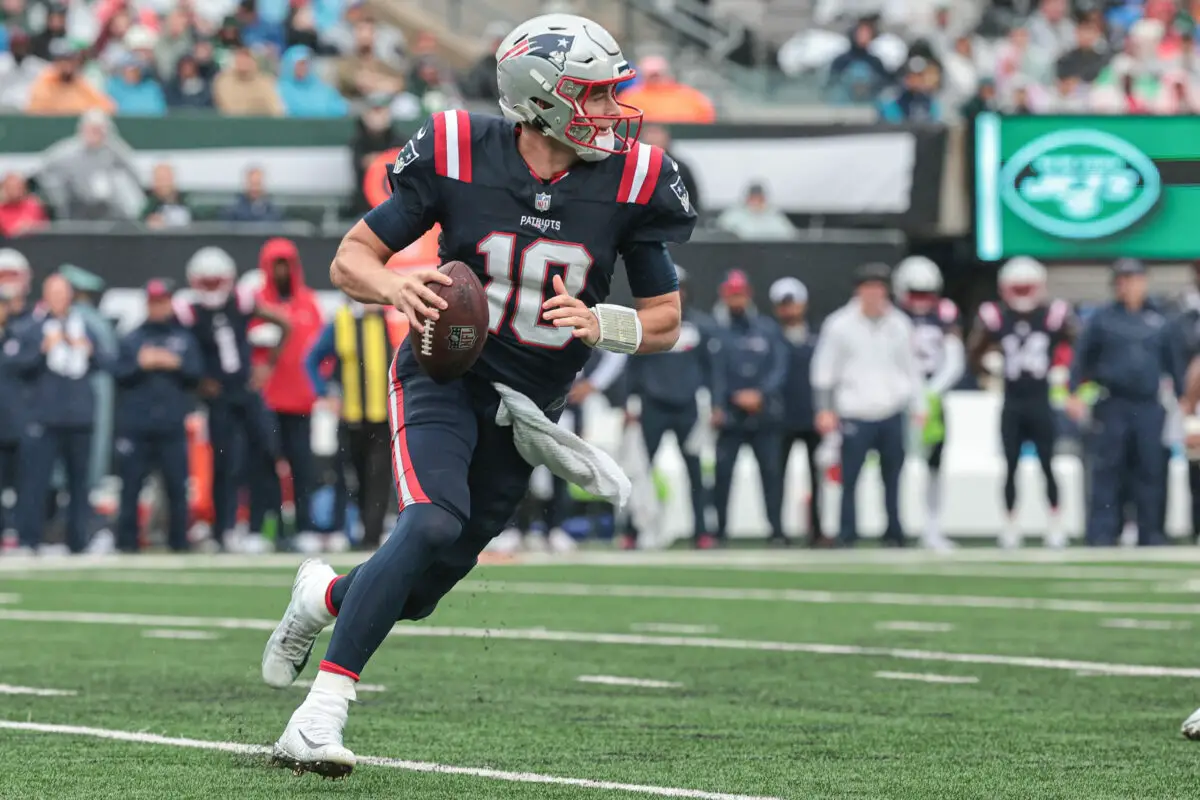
[[516, 231], [222, 336], [929, 334], [1027, 342]]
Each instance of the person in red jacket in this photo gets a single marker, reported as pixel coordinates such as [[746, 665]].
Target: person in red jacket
[[20, 211], [285, 386]]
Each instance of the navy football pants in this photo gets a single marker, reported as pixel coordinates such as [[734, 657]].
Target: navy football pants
[[657, 419], [459, 479], [240, 437], [1127, 446], [859, 437], [145, 453], [40, 449]]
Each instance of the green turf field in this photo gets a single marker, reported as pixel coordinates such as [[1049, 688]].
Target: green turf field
[[771, 675]]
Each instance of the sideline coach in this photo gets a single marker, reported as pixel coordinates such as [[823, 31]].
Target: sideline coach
[[865, 378]]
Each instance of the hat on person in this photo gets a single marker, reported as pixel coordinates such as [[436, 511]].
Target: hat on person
[[81, 280], [735, 282], [158, 289], [788, 290], [1128, 266], [872, 272]]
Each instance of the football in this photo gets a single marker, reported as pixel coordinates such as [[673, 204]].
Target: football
[[451, 344]]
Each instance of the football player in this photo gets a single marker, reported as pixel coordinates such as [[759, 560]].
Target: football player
[[219, 315], [539, 202], [937, 340], [1027, 330]]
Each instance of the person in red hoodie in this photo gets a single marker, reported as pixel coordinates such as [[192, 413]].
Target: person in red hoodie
[[285, 387], [20, 211]]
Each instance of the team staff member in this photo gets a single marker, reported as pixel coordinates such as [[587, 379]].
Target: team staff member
[[665, 385], [359, 344], [1126, 348], [866, 378], [1188, 325], [156, 370], [748, 406], [56, 355], [790, 298]]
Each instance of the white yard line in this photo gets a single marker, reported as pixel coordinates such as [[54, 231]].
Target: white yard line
[[1146, 624], [613, 680], [813, 596], [925, 677], [915, 627], [376, 761], [622, 639], [672, 627], [985, 558], [7, 688], [172, 633]]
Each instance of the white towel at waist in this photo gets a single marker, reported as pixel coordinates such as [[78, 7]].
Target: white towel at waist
[[541, 442]]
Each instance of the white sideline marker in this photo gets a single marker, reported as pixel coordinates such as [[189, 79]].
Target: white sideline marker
[[375, 761], [1146, 624], [641, 683], [925, 677], [6, 688], [672, 627], [915, 627], [626, 640], [362, 687], [179, 633]]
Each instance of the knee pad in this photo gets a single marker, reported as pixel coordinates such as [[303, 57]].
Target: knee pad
[[433, 525]]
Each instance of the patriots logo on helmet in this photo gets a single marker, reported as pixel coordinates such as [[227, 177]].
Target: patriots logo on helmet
[[551, 46]]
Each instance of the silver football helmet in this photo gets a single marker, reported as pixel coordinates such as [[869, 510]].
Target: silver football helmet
[[549, 67], [1022, 283], [917, 283], [212, 275]]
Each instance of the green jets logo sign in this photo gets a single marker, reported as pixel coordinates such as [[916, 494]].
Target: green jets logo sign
[[1080, 184]]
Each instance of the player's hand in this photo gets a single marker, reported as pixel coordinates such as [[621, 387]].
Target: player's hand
[[580, 392], [209, 388], [148, 358], [1076, 408], [748, 400], [566, 311], [827, 422], [416, 300]]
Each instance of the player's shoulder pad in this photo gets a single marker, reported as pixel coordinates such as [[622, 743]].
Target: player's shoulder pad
[[650, 177], [1057, 314], [443, 145], [991, 316], [947, 311]]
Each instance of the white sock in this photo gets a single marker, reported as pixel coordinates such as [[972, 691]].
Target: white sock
[[335, 684], [933, 504]]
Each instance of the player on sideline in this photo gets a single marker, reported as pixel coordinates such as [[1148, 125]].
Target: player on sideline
[[539, 203], [937, 340], [1027, 330]]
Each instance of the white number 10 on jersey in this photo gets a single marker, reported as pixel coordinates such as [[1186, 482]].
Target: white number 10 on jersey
[[530, 277]]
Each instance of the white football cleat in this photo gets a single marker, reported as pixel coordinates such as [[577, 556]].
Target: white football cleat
[[937, 543], [1191, 726], [1056, 537], [1010, 538], [292, 641], [561, 542], [312, 740], [535, 542], [506, 543]]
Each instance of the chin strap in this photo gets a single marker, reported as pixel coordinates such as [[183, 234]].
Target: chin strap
[[620, 328]]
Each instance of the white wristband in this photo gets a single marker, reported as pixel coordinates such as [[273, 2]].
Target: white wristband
[[620, 328]]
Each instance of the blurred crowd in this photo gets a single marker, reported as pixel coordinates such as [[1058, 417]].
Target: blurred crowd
[[304, 58], [943, 60]]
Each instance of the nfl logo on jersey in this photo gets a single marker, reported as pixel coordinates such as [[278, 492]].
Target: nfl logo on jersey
[[462, 337], [542, 201]]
